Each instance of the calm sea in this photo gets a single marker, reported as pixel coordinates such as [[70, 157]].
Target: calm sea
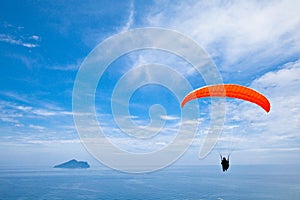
[[176, 182]]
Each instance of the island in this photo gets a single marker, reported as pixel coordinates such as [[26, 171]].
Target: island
[[73, 164]]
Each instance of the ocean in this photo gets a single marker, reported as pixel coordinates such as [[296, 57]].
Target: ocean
[[175, 182]]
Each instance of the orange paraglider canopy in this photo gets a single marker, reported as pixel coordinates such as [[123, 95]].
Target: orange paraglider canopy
[[229, 90]]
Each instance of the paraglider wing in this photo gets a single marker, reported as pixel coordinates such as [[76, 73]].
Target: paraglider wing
[[229, 90]]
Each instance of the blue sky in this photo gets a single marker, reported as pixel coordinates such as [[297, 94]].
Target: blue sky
[[43, 43]]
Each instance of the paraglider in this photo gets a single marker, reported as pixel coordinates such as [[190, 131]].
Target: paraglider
[[224, 163], [231, 91]]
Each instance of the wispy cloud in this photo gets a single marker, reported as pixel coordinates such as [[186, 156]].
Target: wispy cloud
[[282, 89], [130, 21], [20, 116], [68, 67], [9, 119], [37, 127], [169, 117], [28, 42], [165, 58], [277, 129], [241, 36]]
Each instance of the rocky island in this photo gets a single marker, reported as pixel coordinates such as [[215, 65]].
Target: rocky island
[[73, 164]]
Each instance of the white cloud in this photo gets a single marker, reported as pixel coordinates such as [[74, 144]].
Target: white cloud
[[282, 88], [244, 36], [17, 96], [17, 110], [51, 141], [36, 127], [43, 112], [49, 112], [24, 108], [17, 118], [130, 18], [68, 67], [11, 40], [19, 125], [8, 119], [169, 118], [279, 129], [35, 37], [151, 56]]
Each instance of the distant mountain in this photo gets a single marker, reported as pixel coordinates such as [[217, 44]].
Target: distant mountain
[[73, 164]]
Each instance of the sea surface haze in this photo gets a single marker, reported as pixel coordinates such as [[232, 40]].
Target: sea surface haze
[[175, 182]]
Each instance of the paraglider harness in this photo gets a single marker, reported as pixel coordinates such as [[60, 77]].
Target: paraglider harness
[[224, 162]]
